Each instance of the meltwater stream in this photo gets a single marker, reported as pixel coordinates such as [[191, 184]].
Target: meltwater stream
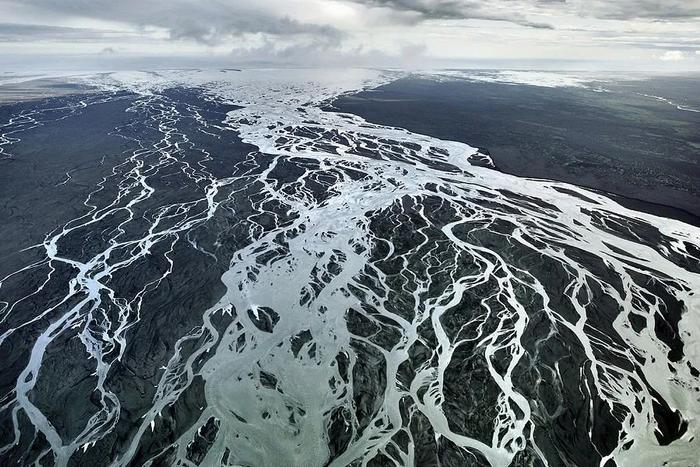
[[258, 280]]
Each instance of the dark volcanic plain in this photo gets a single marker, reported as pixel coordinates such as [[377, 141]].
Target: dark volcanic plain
[[618, 141], [53, 174], [188, 282]]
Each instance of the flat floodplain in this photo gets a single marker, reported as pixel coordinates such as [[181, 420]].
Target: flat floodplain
[[617, 136], [217, 267]]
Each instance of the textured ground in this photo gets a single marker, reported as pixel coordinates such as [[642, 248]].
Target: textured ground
[[620, 136], [208, 268]]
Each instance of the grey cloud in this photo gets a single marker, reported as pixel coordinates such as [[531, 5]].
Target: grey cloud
[[12, 32], [453, 10], [428, 9], [269, 53], [281, 38], [497, 10], [668, 10], [207, 21]]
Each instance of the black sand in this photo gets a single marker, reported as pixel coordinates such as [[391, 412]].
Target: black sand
[[642, 149]]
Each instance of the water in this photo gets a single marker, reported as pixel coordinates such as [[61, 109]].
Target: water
[[373, 297]]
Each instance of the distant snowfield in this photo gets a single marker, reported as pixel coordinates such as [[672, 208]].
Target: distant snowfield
[[547, 79], [144, 80]]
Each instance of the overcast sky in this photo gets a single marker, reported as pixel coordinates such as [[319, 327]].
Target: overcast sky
[[620, 34]]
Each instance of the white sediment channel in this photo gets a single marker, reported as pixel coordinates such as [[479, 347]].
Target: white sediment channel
[[333, 240]]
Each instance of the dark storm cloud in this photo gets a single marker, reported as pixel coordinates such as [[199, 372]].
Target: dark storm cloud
[[208, 21]]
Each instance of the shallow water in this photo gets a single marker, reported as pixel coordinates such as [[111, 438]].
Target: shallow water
[[257, 281]]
